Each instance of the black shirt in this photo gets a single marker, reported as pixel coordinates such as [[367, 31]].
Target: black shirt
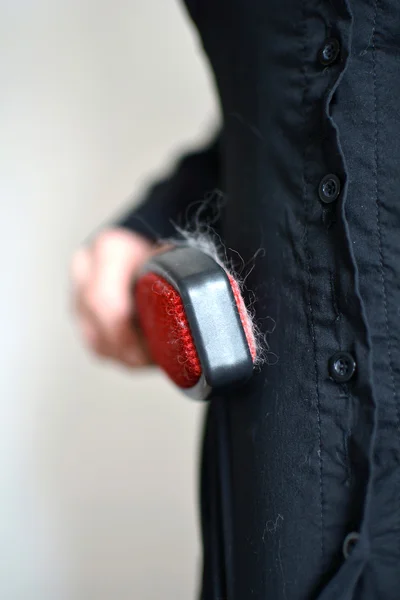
[[301, 467]]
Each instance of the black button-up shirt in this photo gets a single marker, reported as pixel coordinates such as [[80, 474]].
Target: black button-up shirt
[[301, 467]]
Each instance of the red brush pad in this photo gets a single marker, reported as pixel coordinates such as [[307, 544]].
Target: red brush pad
[[164, 323], [246, 323]]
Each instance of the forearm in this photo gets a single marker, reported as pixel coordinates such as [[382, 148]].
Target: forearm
[[191, 188]]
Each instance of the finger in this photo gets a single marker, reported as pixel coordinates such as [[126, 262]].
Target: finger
[[80, 275], [129, 347], [92, 331], [133, 360], [92, 337], [80, 267], [135, 354], [109, 294]]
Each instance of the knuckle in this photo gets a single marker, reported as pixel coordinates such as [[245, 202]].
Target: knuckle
[[105, 240]]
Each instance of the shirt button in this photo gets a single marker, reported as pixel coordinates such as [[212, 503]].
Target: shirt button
[[329, 52], [342, 367], [349, 543], [329, 188]]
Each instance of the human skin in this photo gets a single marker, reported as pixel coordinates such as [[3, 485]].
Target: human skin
[[102, 275]]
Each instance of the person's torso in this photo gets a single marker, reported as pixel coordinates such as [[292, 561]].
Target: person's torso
[[311, 135]]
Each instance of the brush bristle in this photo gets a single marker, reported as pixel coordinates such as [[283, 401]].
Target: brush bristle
[[244, 317]]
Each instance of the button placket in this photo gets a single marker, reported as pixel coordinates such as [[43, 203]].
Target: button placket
[[352, 328]]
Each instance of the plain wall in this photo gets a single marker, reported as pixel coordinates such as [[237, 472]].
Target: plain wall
[[98, 466]]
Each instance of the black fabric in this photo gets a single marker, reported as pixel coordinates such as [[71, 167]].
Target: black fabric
[[296, 460], [190, 191]]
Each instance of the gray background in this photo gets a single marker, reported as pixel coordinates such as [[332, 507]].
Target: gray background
[[97, 466]]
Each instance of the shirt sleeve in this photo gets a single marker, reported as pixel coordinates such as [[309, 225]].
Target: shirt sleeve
[[190, 192]]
